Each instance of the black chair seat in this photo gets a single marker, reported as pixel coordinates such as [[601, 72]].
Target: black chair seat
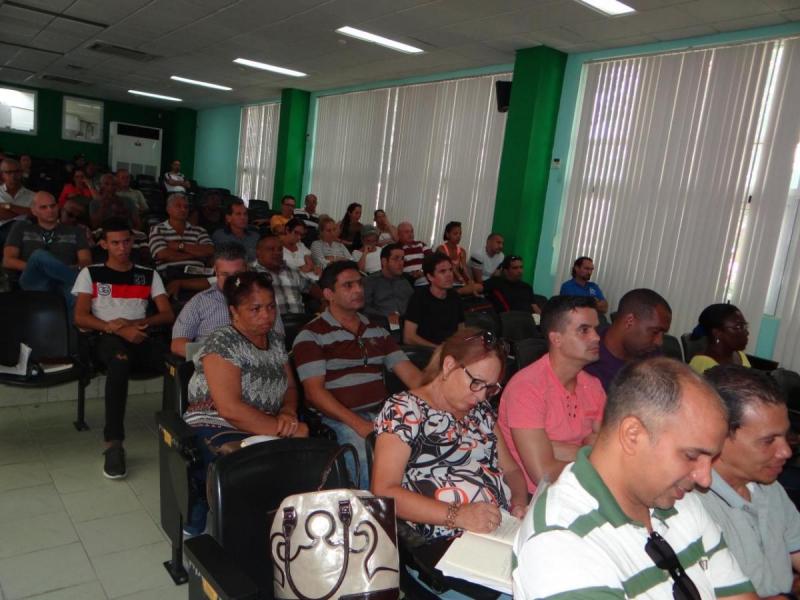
[[43, 379], [518, 325]]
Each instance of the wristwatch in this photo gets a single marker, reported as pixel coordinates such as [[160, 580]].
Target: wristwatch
[[181, 246]]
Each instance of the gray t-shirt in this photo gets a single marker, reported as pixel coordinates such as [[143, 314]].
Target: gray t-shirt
[[63, 241], [263, 378]]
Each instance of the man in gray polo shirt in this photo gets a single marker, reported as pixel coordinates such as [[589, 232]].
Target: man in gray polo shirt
[[760, 524]]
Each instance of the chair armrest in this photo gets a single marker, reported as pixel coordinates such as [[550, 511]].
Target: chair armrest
[[218, 571], [175, 432]]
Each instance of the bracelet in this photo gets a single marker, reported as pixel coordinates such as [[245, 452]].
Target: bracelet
[[452, 512]]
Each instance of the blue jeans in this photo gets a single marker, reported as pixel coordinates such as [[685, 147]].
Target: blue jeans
[[345, 435], [45, 273]]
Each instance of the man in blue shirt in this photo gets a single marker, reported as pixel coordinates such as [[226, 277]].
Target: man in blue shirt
[[580, 285]]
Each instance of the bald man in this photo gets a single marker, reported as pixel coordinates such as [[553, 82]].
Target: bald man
[[46, 254], [414, 252]]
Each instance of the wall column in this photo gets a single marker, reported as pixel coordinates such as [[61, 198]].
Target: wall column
[[527, 151], [291, 152]]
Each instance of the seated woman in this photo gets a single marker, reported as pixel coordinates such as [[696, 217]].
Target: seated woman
[[350, 227], [439, 453], [726, 333], [243, 383], [328, 248], [458, 257], [295, 253], [78, 188], [388, 232]]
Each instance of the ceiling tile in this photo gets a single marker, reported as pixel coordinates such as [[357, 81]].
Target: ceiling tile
[[10, 75], [104, 11], [686, 32], [32, 59], [51, 5], [21, 21], [782, 4], [750, 22], [720, 10]]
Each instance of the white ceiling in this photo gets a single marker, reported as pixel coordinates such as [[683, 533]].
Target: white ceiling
[[199, 39]]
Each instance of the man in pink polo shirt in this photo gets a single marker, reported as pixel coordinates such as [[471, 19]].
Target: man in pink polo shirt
[[551, 408]]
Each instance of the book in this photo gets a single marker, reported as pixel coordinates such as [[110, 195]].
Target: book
[[483, 558]]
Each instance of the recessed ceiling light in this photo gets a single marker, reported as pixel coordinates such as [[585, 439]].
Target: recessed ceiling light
[[265, 67], [609, 7], [213, 86], [151, 95], [379, 39]]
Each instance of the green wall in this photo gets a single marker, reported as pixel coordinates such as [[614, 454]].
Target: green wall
[[527, 150], [291, 152], [217, 146], [178, 126]]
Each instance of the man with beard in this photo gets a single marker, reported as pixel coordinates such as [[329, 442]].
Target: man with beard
[[760, 524], [637, 332]]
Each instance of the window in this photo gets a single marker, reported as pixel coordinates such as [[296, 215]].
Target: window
[[83, 120], [258, 144], [17, 110]]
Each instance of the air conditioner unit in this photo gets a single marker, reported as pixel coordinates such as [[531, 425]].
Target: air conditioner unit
[[136, 148]]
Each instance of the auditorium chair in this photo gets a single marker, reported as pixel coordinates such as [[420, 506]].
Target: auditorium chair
[[518, 325], [672, 347], [233, 561], [526, 352]]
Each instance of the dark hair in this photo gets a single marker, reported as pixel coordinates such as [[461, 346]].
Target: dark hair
[[578, 262], [229, 204], [740, 386], [468, 345], [115, 224], [508, 260], [241, 285], [375, 213], [449, 227], [641, 303], [555, 310], [294, 222], [230, 251], [345, 233], [327, 281], [268, 235], [430, 262], [651, 390], [288, 197], [493, 234], [387, 250], [712, 317]]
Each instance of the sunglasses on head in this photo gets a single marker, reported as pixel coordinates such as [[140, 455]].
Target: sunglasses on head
[[490, 340], [664, 557]]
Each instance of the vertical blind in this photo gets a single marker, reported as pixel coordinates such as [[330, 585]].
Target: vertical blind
[[258, 140], [679, 175], [427, 154]]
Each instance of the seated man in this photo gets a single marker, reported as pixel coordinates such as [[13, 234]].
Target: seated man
[[46, 254], [237, 230], [289, 285], [760, 523], [507, 291], [277, 223], [368, 257], [621, 521], [15, 199], [174, 180], [552, 407], [643, 317], [434, 312], [112, 300], [387, 292], [124, 190], [414, 252], [580, 285], [210, 214], [176, 244], [308, 214], [485, 263], [108, 205], [340, 357]]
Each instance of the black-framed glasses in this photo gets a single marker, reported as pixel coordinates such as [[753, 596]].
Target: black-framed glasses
[[478, 385], [664, 557], [490, 340]]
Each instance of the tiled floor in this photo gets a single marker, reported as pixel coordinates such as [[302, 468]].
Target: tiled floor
[[66, 532]]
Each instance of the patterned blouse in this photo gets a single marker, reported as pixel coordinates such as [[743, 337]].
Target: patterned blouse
[[264, 380], [451, 459]]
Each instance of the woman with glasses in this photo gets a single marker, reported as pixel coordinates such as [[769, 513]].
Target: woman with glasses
[[726, 331], [438, 452]]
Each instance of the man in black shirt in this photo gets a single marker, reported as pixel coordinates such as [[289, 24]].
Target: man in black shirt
[[434, 312], [507, 291]]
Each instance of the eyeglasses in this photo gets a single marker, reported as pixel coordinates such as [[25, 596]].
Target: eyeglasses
[[478, 385], [490, 341], [664, 557]]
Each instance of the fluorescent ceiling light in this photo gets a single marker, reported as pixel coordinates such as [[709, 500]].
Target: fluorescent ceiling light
[[213, 86], [265, 67], [151, 95], [609, 7], [379, 39]]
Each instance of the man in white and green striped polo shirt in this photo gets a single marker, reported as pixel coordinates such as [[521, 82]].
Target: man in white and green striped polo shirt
[[597, 532]]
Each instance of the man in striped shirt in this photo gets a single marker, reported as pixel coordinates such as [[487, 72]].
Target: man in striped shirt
[[622, 521], [176, 243], [414, 252], [340, 357]]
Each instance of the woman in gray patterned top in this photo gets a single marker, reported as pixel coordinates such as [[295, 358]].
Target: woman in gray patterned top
[[242, 379]]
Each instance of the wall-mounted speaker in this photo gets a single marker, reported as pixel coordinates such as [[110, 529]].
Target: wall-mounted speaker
[[503, 89]]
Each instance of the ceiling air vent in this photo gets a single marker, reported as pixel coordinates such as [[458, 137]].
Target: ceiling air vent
[[121, 52], [60, 79]]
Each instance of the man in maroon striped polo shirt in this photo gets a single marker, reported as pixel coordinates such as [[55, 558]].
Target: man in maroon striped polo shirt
[[340, 357], [414, 251]]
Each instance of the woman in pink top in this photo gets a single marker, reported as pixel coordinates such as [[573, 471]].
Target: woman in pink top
[[79, 186]]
